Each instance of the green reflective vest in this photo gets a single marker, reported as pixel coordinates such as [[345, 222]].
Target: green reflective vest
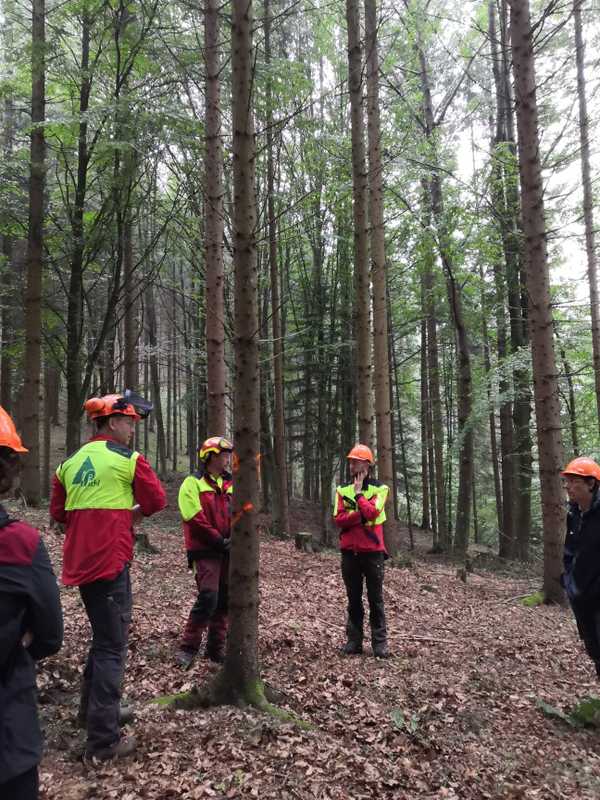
[[380, 494], [189, 495], [99, 475]]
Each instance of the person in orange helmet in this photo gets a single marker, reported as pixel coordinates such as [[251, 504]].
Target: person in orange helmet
[[31, 628], [359, 513], [581, 555], [100, 492]]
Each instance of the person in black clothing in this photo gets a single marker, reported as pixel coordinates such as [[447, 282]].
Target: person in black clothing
[[581, 555], [31, 628]]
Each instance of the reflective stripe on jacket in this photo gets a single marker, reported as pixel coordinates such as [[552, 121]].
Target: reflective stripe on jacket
[[361, 519]]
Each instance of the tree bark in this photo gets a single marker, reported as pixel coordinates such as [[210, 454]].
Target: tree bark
[[588, 198], [240, 680], [547, 403], [381, 375], [280, 517], [30, 481], [213, 210], [362, 321]]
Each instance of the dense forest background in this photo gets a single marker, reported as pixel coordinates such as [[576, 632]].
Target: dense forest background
[[425, 268]]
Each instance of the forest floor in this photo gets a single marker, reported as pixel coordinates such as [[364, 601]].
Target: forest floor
[[453, 714]]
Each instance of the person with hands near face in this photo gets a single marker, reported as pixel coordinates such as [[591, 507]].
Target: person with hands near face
[[205, 508], [359, 514]]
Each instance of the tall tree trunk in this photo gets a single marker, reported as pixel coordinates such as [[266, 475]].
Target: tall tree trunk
[[281, 522], [517, 304], [33, 292], [161, 446], [547, 403], [588, 198], [425, 431], [362, 321], [381, 375], [130, 319], [492, 416], [239, 679], [213, 210]]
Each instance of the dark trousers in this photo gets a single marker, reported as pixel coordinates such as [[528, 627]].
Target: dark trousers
[[108, 606], [23, 787], [588, 625], [367, 567], [209, 612]]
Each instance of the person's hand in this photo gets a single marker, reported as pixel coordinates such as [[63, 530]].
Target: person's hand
[[224, 546], [136, 515], [358, 481]]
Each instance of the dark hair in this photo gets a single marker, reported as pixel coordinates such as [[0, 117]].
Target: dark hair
[[9, 468]]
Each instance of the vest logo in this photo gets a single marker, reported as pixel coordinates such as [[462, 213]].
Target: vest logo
[[86, 475]]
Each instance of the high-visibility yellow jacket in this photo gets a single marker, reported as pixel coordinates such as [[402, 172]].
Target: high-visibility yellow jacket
[[360, 517]]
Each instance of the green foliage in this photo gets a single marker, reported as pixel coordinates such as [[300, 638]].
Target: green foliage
[[407, 723], [585, 714], [532, 600]]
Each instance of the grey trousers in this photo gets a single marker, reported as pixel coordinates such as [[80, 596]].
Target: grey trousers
[[108, 606]]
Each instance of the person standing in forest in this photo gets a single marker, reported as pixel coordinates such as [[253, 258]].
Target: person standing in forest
[[100, 493], [359, 513], [205, 507], [581, 557], [31, 628]]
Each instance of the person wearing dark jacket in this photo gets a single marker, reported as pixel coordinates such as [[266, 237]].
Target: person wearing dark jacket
[[581, 555], [31, 628], [205, 508], [99, 493], [359, 514]]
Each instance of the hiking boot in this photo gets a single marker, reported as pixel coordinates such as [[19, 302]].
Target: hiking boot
[[126, 717], [124, 747], [381, 651], [184, 658], [352, 649]]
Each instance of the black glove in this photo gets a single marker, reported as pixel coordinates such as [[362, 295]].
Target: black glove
[[223, 545]]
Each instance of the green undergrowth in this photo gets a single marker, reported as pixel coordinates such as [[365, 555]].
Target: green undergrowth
[[532, 600], [586, 714]]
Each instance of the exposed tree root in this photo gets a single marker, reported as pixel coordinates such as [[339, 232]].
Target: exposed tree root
[[254, 695]]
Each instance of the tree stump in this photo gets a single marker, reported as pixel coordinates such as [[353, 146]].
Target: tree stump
[[303, 541]]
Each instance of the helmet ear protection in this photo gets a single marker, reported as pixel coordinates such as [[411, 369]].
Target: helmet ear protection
[[129, 404], [362, 453]]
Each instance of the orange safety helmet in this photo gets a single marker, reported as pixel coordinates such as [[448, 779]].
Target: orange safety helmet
[[98, 407], [584, 467], [362, 453], [8, 433], [214, 444]]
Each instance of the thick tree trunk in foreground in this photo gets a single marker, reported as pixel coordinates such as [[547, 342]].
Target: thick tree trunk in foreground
[[547, 403], [30, 481], [239, 681], [588, 199], [362, 317]]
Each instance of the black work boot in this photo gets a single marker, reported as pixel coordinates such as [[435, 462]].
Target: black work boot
[[381, 650], [352, 648]]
